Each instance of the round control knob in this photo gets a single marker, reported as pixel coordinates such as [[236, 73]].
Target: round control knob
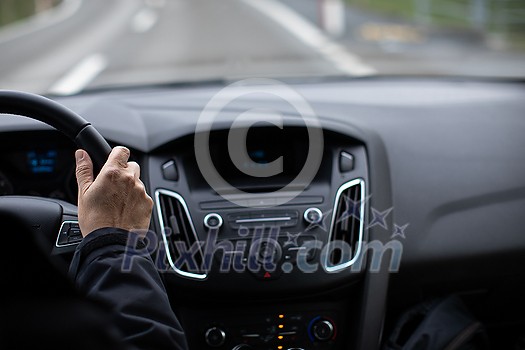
[[323, 330], [313, 215], [213, 221], [215, 337], [242, 347]]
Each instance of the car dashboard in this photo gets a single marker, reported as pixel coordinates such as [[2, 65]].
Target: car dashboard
[[394, 190]]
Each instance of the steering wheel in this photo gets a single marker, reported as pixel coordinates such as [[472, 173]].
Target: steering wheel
[[45, 215]]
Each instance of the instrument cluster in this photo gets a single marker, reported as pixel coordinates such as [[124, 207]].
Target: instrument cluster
[[38, 164]]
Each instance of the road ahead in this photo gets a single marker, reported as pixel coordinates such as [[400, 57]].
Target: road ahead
[[92, 43], [98, 42]]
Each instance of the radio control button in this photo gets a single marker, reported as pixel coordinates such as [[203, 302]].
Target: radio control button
[[313, 215], [215, 337], [213, 221], [323, 330]]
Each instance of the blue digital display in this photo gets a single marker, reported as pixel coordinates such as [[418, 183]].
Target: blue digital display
[[259, 156], [42, 162]]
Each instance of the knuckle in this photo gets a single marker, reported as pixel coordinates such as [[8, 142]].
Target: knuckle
[[134, 167], [128, 178], [113, 174], [82, 169], [139, 186], [149, 202]]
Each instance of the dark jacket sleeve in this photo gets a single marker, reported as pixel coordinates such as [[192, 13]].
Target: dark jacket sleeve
[[121, 275]]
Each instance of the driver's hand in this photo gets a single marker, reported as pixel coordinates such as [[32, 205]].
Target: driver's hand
[[116, 198]]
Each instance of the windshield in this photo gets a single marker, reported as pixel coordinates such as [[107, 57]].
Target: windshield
[[67, 46]]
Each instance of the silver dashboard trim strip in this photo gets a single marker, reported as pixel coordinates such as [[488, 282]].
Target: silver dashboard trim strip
[[280, 218]]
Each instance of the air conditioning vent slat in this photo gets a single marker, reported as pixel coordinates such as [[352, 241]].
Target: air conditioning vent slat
[[347, 225], [174, 225], [185, 228], [178, 233]]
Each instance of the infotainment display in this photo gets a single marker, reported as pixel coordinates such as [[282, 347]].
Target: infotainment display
[[263, 146]]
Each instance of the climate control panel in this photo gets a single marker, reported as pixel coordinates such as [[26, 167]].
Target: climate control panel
[[271, 331]]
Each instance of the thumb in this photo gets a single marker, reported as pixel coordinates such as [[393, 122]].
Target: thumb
[[84, 170]]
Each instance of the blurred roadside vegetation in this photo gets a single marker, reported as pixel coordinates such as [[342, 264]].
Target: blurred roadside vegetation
[[500, 21], [15, 10]]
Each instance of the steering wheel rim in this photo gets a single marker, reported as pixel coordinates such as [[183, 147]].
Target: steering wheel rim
[[61, 118], [44, 216]]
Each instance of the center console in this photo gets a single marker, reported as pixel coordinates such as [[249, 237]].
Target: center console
[[252, 262]]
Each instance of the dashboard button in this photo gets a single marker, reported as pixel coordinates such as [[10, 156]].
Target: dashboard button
[[69, 234], [323, 330], [313, 215], [169, 171], [346, 162], [213, 221], [215, 337]]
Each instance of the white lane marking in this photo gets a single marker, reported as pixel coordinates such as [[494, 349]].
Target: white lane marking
[[61, 12], [80, 76], [144, 20], [344, 60]]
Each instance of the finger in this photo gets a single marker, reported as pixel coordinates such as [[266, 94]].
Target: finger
[[135, 168], [84, 170], [119, 157]]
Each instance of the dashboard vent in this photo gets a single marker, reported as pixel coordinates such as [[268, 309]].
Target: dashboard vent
[[179, 235], [347, 226]]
